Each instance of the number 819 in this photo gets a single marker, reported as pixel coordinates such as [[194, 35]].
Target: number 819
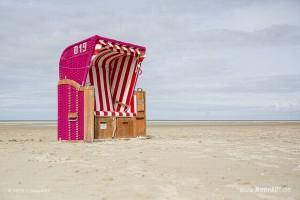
[[80, 48]]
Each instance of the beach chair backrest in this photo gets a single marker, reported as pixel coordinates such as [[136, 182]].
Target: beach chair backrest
[[113, 73]]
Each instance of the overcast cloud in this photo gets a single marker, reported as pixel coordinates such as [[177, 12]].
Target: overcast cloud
[[205, 59]]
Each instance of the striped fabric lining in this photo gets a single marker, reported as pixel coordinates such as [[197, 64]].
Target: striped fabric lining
[[114, 74], [132, 111]]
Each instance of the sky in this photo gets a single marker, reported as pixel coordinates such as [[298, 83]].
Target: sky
[[206, 60]]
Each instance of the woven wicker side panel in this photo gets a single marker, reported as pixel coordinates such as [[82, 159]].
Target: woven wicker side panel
[[73, 74], [70, 103], [74, 64], [62, 118], [81, 115]]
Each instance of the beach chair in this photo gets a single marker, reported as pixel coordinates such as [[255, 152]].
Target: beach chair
[[96, 90]]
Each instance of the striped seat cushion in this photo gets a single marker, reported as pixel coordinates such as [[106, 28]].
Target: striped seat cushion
[[131, 112], [114, 113]]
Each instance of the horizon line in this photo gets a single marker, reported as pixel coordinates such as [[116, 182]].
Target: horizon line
[[190, 120]]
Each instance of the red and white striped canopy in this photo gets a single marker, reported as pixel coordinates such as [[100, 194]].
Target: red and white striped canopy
[[113, 73]]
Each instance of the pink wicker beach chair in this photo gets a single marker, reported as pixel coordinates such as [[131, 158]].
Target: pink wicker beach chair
[[97, 76]]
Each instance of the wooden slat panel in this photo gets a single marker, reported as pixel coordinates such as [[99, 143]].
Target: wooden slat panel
[[88, 113], [126, 127], [141, 113], [140, 100], [104, 127]]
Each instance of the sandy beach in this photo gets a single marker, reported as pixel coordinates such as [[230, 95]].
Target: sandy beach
[[181, 160]]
